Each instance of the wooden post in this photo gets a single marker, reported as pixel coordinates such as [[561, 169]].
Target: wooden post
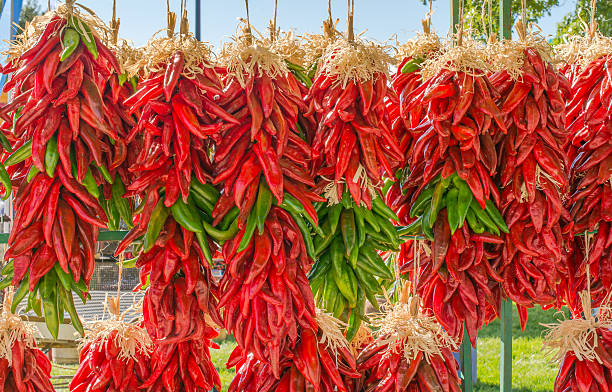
[[505, 363]]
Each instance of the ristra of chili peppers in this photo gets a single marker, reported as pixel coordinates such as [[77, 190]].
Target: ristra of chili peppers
[[23, 366], [263, 163], [533, 177], [115, 356], [178, 116], [348, 104], [589, 119], [583, 347], [265, 146], [413, 354], [62, 155], [353, 145], [453, 196], [405, 80], [317, 363], [182, 367]]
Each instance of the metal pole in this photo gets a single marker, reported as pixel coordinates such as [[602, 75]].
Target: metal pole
[[198, 20], [454, 15], [505, 19], [466, 361], [505, 363]]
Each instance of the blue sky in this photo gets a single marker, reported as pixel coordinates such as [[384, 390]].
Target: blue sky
[[380, 18]]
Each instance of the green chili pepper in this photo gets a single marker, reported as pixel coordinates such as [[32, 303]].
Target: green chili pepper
[[4, 142], [20, 294], [452, 207], [436, 203], [8, 268], [412, 65], [156, 224], [248, 232], [64, 277], [497, 218], [464, 199], [334, 216], [51, 157], [32, 173], [206, 191], [71, 42], [221, 235], [291, 204], [336, 252], [105, 173], [349, 230], [123, 78], [484, 218], [347, 284], [20, 155], [229, 218], [185, 217], [202, 203], [474, 223], [122, 204], [68, 303], [305, 233], [6, 282], [422, 202], [86, 35], [360, 226], [5, 179], [263, 205], [203, 241], [89, 182], [50, 306]]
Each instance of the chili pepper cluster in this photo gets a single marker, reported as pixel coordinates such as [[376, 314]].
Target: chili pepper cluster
[[451, 195], [353, 149], [385, 369], [313, 366], [28, 369], [66, 150], [102, 368], [584, 374], [533, 179], [589, 119]]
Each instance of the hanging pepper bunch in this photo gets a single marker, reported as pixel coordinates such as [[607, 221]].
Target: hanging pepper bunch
[[178, 115], [533, 178], [405, 80], [115, 356], [454, 198], [589, 120], [23, 366], [263, 163], [320, 361], [583, 347], [63, 144], [182, 367], [412, 353], [353, 145]]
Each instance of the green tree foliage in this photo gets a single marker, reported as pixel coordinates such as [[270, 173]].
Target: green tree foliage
[[575, 22], [30, 9], [475, 15]]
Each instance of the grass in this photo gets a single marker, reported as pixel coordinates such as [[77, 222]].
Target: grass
[[531, 369]]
